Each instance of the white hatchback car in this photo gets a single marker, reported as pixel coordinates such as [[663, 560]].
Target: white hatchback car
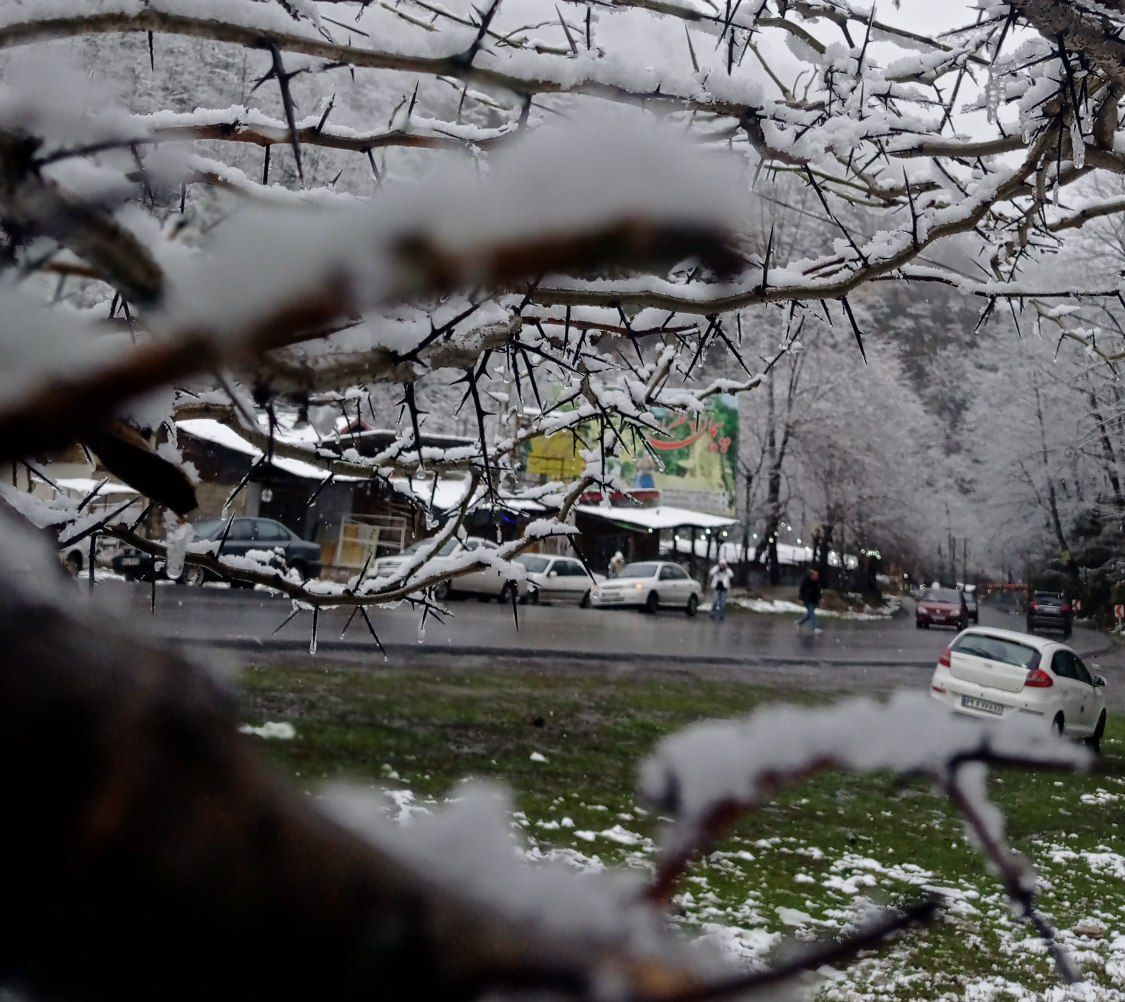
[[650, 585], [484, 583], [558, 579], [1000, 673]]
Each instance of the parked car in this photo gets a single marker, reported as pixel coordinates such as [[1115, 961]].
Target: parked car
[[1049, 610], [245, 534], [941, 607], [557, 579], [972, 605], [484, 583], [76, 557], [1000, 673], [649, 585]]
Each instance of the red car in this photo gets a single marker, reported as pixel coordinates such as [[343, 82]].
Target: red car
[[941, 607]]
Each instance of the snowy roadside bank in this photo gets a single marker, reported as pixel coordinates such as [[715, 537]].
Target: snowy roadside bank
[[776, 606]]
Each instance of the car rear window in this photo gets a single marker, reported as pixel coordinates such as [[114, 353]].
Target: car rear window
[[942, 595], [537, 565], [1048, 600], [1009, 652]]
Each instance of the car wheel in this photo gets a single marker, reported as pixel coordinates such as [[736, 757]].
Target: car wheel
[[976, 619], [1059, 724], [921, 626], [652, 603], [692, 605], [584, 602], [1094, 741], [193, 576], [442, 591], [962, 624], [301, 568], [74, 563], [509, 593]]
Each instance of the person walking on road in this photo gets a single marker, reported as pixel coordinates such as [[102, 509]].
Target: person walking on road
[[720, 584], [810, 596], [616, 564]]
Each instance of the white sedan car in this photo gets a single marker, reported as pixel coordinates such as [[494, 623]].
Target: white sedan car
[[649, 585], [484, 583], [558, 579], [1001, 673]]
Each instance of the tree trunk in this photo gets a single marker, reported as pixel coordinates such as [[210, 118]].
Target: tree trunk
[[825, 550], [1053, 506]]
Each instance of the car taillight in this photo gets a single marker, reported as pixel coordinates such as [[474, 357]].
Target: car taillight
[[1034, 607], [1066, 608], [1037, 678], [944, 659]]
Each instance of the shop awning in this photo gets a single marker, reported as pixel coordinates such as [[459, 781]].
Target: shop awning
[[661, 517]]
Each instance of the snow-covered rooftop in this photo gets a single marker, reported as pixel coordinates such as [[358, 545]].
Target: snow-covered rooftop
[[208, 430], [85, 486], [661, 517]]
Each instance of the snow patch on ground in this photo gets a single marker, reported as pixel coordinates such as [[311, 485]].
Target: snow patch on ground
[[779, 606], [281, 731]]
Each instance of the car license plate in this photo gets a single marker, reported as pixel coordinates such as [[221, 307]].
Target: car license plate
[[984, 705], [130, 561]]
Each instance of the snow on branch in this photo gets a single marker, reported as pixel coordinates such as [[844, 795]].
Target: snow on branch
[[255, 291], [708, 775]]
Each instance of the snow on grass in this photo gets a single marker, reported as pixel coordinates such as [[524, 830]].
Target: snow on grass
[[833, 850], [282, 731], [782, 606], [833, 891]]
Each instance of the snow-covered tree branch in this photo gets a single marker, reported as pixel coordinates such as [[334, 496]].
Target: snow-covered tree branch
[[557, 221]]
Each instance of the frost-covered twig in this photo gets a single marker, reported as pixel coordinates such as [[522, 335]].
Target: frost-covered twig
[[710, 775]]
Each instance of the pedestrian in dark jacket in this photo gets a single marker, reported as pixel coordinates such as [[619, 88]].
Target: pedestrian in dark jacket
[[810, 596]]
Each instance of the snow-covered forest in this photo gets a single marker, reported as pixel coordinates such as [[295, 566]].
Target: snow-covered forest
[[901, 246]]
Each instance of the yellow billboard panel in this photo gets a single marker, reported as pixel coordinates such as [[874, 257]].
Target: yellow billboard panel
[[556, 457]]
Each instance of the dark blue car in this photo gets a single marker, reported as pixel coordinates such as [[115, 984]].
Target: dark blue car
[[245, 534]]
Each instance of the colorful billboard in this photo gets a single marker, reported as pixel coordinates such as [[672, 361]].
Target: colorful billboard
[[692, 461]]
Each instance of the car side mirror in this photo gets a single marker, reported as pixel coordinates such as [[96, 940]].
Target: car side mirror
[[1099, 681], [552, 574]]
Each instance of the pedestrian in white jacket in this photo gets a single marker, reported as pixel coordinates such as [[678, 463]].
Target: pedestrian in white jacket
[[721, 578]]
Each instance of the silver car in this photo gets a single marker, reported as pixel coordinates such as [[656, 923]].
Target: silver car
[[558, 579], [484, 583], [650, 585]]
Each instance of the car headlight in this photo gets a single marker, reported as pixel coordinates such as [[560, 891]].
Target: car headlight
[[639, 586]]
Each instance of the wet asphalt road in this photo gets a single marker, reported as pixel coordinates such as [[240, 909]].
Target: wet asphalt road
[[242, 620], [224, 628]]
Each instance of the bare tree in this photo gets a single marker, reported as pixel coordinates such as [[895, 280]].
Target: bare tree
[[530, 243]]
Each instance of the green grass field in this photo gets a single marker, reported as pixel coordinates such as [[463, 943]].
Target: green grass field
[[802, 868]]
